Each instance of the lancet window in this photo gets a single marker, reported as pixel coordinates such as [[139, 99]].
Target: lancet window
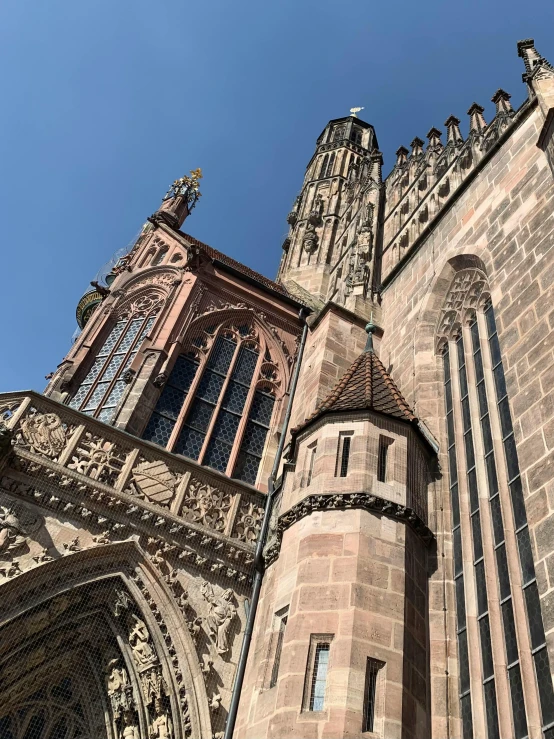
[[218, 402], [101, 390], [488, 512]]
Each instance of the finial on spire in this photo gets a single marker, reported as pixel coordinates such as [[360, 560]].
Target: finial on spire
[[434, 137], [477, 123], [454, 136], [370, 328], [502, 101], [354, 111], [179, 200], [417, 148], [531, 58], [401, 156]]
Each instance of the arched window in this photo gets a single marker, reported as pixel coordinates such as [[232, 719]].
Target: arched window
[[159, 257], [324, 166], [101, 390], [489, 521], [330, 166], [356, 135], [217, 404]]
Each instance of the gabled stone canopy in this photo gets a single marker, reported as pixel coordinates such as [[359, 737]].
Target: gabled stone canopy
[[366, 385]]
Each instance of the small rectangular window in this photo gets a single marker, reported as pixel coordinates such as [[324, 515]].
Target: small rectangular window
[[282, 617], [382, 457], [316, 673], [343, 454], [370, 693]]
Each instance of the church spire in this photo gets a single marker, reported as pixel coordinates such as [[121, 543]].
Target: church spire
[[179, 200]]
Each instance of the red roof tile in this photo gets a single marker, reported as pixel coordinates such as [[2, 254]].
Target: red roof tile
[[365, 385], [212, 253]]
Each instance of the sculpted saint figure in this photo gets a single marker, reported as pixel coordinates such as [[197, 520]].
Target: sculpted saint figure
[[162, 727], [139, 639], [117, 677], [221, 614]]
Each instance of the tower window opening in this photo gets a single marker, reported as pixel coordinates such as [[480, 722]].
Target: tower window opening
[[356, 136], [382, 457], [323, 169], [282, 617], [370, 693], [330, 166], [343, 454], [316, 674], [158, 258], [312, 451]]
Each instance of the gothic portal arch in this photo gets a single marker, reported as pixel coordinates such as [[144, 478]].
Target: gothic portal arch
[[92, 646]]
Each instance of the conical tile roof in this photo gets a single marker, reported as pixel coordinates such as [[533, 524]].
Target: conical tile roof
[[366, 385]]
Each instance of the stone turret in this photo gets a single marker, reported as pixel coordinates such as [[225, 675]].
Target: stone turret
[[328, 251]]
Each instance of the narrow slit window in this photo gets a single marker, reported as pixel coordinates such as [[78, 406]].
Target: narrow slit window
[[382, 457], [319, 676], [311, 461], [279, 647], [343, 454], [370, 693]]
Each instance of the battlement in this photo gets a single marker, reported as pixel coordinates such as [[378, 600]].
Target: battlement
[[424, 181]]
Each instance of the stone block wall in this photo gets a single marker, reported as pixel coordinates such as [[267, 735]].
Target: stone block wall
[[504, 222], [361, 579]]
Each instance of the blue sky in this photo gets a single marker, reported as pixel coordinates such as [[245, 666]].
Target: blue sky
[[106, 102]]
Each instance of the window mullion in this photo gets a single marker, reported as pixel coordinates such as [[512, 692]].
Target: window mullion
[[510, 545], [471, 610], [245, 412], [189, 399], [218, 405]]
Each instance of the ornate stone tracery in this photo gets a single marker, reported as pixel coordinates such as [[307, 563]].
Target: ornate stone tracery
[[468, 291]]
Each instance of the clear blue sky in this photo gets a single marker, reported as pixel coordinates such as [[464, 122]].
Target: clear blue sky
[[106, 102]]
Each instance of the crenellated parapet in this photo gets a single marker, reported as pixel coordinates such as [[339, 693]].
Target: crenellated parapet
[[424, 181]]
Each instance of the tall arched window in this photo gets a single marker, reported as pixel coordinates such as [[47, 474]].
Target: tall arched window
[[330, 166], [489, 523], [159, 257], [324, 166], [102, 388], [217, 404], [356, 135]]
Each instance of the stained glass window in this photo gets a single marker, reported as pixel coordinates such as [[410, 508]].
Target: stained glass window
[[101, 390], [218, 411]]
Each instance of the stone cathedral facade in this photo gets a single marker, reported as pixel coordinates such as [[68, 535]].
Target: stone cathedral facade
[[320, 506]]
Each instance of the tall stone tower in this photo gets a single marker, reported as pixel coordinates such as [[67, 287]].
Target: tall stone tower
[[329, 251]]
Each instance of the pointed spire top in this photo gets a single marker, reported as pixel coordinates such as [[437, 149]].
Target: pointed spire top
[[531, 58], [453, 131], [477, 123], [370, 328], [417, 147], [401, 156], [434, 137], [502, 101]]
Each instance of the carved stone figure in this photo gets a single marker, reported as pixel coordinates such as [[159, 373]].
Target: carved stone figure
[[221, 613], [162, 726], [130, 729], [139, 639], [5, 439], [44, 433], [16, 523], [117, 678]]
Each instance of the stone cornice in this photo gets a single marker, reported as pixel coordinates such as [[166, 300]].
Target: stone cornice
[[345, 501]]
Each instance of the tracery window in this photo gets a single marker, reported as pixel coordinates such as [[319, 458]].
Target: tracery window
[[101, 390], [356, 135], [56, 711], [483, 465], [217, 404]]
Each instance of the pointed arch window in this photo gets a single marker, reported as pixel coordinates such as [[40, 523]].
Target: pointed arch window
[[101, 390], [484, 473], [323, 169], [218, 402], [330, 166]]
